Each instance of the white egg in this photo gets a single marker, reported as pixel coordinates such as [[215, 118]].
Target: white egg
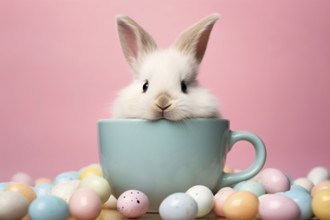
[[203, 197], [178, 206], [304, 182], [65, 189], [13, 205], [318, 174], [111, 203]]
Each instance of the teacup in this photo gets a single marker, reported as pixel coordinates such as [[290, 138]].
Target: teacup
[[163, 157]]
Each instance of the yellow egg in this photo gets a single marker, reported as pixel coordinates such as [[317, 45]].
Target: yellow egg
[[41, 181], [97, 184], [321, 204], [91, 170], [241, 205], [228, 169], [23, 189], [324, 185]]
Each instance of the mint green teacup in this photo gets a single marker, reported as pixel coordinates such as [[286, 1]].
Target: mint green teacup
[[163, 157]]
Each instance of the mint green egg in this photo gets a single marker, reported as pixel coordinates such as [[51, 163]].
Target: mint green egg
[[252, 186]]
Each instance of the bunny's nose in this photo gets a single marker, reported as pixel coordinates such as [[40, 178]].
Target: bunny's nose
[[163, 108], [163, 101]]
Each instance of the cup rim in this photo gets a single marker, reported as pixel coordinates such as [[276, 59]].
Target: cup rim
[[160, 120]]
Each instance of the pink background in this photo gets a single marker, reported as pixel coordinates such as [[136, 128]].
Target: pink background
[[61, 66]]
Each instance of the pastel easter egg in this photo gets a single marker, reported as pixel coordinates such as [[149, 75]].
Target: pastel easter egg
[[323, 185], [278, 206], [13, 205], [42, 180], [85, 204], [178, 206], [252, 186], [91, 170], [26, 190], [3, 186], [49, 207], [100, 185], [219, 200], [66, 176], [228, 169], [274, 180], [22, 177], [318, 174], [321, 204], [203, 197], [133, 203], [111, 203], [303, 199], [238, 185], [65, 189], [43, 189], [241, 205], [304, 182]]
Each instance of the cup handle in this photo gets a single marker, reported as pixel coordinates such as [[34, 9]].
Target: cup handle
[[260, 150]]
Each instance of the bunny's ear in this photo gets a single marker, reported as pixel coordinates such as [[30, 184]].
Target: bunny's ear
[[194, 39], [135, 41]]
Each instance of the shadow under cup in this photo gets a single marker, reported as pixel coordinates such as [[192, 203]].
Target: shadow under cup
[[163, 157]]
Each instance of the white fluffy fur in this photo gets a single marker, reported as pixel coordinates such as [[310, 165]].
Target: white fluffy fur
[[164, 70]]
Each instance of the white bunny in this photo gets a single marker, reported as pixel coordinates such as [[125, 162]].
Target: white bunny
[[164, 85]]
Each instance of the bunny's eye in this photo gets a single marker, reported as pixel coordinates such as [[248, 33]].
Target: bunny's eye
[[145, 86], [183, 87]]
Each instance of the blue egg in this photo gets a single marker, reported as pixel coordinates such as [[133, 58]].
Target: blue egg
[[178, 206], [302, 198], [295, 187], [238, 186], [3, 186], [43, 189], [49, 207], [72, 175], [253, 186]]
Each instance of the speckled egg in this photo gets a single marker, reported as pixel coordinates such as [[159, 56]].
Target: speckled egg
[[203, 197], [85, 204], [278, 206], [99, 185], [241, 205], [274, 180], [178, 206], [26, 190], [318, 174], [133, 203], [219, 200], [66, 176], [13, 205], [48, 207]]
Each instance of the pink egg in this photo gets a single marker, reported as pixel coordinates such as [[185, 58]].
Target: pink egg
[[85, 204], [274, 180], [219, 200], [278, 206], [22, 178], [133, 203]]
